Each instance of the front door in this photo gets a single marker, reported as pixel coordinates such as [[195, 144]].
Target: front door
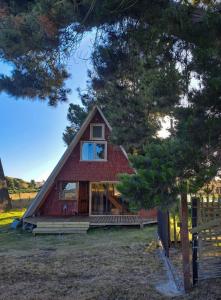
[[106, 200], [83, 202]]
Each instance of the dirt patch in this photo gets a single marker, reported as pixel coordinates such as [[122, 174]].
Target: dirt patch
[[104, 264]]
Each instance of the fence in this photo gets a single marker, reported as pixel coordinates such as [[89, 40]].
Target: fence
[[205, 235], [164, 230], [21, 203], [206, 240]]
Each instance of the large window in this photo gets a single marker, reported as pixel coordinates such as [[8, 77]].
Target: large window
[[97, 131], [94, 151], [106, 200], [68, 190]]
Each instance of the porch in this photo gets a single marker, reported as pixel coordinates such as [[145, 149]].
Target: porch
[[95, 221]]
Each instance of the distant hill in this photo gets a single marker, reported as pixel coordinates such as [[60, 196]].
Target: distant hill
[[20, 185]]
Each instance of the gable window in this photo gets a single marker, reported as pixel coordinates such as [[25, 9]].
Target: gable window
[[68, 190], [94, 151], [97, 131]]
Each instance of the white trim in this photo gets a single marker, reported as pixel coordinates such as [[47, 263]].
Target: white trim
[[90, 197], [103, 131], [94, 151], [124, 152], [106, 181]]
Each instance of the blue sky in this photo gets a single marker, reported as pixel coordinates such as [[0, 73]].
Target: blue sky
[[31, 131]]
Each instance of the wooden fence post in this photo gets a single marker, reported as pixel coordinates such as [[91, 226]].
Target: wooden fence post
[[164, 230], [174, 230], [194, 241], [185, 242]]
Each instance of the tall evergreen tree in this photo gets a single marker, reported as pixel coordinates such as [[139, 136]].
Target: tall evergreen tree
[[76, 115], [146, 55], [145, 70], [37, 36]]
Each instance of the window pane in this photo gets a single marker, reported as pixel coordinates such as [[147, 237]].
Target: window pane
[[68, 191], [87, 151], [100, 151], [97, 131]]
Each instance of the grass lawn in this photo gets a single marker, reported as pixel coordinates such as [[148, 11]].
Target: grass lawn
[[105, 264], [7, 217]]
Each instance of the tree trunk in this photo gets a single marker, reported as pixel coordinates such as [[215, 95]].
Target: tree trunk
[[9, 203], [185, 242]]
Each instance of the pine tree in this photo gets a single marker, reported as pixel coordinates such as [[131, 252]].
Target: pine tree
[[145, 57], [36, 37]]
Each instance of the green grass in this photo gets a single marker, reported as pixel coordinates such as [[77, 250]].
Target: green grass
[[177, 219], [113, 264], [17, 238], [103, 264], [7, 217]]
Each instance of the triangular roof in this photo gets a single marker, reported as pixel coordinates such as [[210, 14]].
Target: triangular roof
[[50, 181]]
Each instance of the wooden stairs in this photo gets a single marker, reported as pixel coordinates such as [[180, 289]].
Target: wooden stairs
[[115, 202], [61, 227]]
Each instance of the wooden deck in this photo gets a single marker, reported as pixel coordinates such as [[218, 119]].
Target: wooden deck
[[96, 221]]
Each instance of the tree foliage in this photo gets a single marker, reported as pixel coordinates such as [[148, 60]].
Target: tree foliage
[[146, 58], [75, 116], [36, 37], [17, 184], [167, 169], [165, 64], [145, 62]]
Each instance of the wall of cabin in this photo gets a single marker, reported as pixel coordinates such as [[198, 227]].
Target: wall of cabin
[[76, 170], [87, 171]]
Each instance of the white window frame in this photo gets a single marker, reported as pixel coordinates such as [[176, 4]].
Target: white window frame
[[60, 190], [91, 131], [94, 151]]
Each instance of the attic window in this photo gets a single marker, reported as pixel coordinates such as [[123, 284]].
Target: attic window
[[68, 190], [97, 131]]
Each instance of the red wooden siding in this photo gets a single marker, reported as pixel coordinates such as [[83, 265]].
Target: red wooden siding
[[76, 170], [149, 214], [52, 206], [83, 202], [95, 171]]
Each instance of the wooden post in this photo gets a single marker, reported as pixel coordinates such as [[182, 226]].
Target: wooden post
[[174, 229], [163, 230], [168, 230], [194, 242], [185, 242]]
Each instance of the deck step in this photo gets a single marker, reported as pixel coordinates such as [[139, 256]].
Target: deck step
[[63, 224], [61, 227]]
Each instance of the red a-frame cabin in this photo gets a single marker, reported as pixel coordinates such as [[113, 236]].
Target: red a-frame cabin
[[84, 181]]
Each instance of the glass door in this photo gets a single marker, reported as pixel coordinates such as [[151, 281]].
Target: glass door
[[106, 200]]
